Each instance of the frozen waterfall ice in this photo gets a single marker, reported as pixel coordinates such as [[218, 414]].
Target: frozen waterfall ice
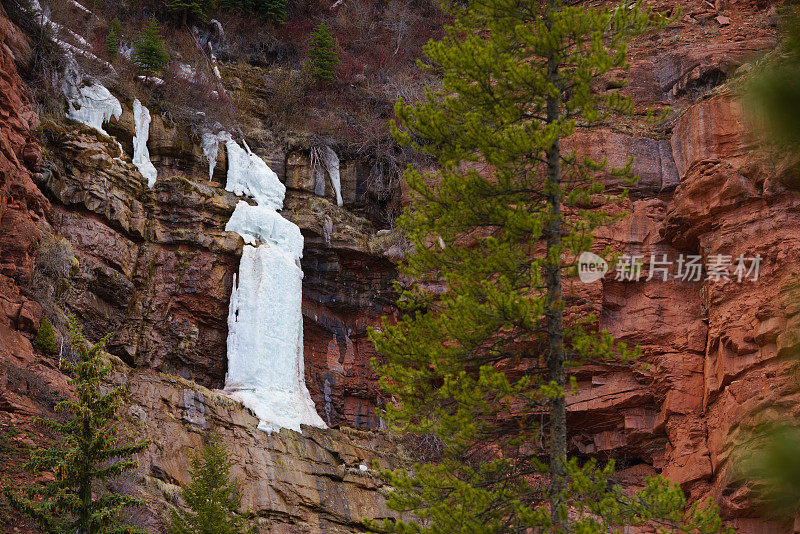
[[249, 175], [331, 162], [265, 325], [141, 156], [265, 322], [262, 224], [92, 105], [211, 148]]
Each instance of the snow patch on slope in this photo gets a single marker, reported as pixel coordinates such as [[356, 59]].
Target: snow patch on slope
[[43, 14], [141, 156], [79, 6]]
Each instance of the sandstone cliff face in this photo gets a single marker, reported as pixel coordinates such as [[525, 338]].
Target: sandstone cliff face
[[712, 346], [156, 266], [22, 206], [317, 481], [81, 229]]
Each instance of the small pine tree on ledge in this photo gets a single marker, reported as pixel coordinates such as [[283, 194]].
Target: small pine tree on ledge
[[323, 55], [149, 51], [89, 453], [112, 39], [212, 496], [46, 338]]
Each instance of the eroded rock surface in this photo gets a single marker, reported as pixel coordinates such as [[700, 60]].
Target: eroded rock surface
[[317, 481]]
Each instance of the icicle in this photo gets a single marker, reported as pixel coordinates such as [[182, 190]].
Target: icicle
[[92, 105], [211, 148], [331, 162], [141, 156]]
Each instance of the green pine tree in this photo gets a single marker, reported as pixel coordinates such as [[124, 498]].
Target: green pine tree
[[112, 39], [480, 363], [765, 449], [149, 51], [46, 338], [189, 9], [88, 454], [322, 54], [268, 9], [212, 495]]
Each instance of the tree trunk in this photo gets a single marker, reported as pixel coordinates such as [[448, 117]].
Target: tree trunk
[[85, 482], [554, 311]]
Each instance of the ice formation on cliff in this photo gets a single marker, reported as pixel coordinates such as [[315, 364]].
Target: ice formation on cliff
[[265, 322], [210, 145], [249, 175], [262, 224], [141, 156], [93, 105], [331, 162]]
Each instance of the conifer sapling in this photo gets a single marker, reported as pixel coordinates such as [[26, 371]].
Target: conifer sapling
[[88, 452], [212, 496], [187, 9], [112, 39], [46, 338], [149, 51], [323, 56]]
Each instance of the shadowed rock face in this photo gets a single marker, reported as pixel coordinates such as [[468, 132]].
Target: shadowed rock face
[[156, 266], [346, 289]]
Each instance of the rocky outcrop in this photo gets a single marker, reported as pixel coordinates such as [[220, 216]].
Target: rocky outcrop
[[22, 206], [156, 266], [317, 481], [711, 344]]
